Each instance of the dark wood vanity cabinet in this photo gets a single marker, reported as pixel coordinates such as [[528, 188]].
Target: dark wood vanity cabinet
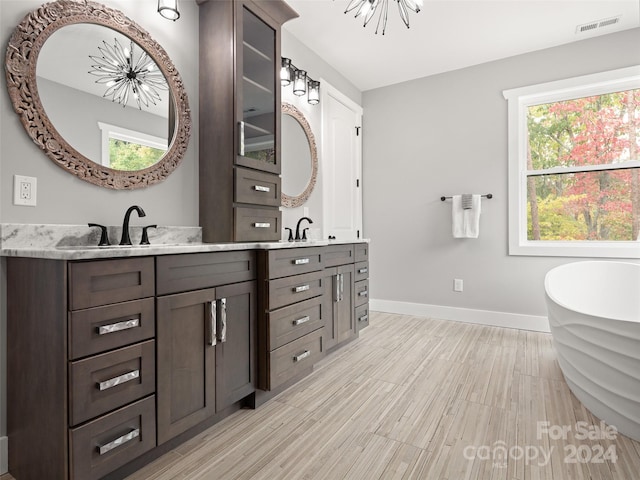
[[240, 119]]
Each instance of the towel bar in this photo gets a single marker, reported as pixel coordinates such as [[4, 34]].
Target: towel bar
[[488, 195]]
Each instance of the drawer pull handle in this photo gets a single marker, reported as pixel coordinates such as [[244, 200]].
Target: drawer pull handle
[[102, 449], [363, 318], [363, 293], [363, 270], [302, 320], [301, 356], [261, 225], [117, 327], [301, 288], [261, 188], [120, 379], [301, 261]]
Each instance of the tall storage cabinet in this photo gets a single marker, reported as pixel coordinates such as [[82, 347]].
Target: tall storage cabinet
[[240, 119]]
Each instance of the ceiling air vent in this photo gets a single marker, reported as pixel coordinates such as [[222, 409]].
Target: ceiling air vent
[[605, 22]]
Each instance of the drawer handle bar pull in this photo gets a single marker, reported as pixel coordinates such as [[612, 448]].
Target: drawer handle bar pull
[[301, 288], [363, 318], [222, 337], [302, 356], [363, 270], [261, 225], [213, 322], [117, 327], [120, 379], [302, 320], [102, 449], [301, 261], [363, 293], [261, 188]]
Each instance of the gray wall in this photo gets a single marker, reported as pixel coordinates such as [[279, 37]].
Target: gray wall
[[447, 134]]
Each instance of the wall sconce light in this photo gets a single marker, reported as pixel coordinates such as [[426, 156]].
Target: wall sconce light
[[302, 83], [169, 9]]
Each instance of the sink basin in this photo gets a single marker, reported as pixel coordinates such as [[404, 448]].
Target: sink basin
[[118, 247]]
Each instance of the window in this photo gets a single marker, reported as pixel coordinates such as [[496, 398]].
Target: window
[[124, 149], [574, 166]]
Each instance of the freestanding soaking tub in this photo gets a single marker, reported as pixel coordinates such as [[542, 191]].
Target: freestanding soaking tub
[[594, 315]]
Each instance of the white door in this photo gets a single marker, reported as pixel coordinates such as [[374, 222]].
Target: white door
[[341, 165]]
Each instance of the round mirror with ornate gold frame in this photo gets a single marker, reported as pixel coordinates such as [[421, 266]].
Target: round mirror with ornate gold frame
[[299, 158], [24, 48]]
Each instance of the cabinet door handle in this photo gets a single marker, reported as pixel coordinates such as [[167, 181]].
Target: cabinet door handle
[[261, 225], [301, 261], [222, 332], [363, 293], [119, 380], [107, 447], [363, 270], [301, 288], [213, 323], [117, 327], [302, 320], [363, 318], [301, 356], [241, 139], [261, 188], [341, 286], [336, 279]]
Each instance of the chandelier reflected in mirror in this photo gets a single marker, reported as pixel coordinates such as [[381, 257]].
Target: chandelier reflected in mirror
[[369, 8], [127, 73]]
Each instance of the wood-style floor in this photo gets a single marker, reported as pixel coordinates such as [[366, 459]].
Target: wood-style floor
[[415, 398]]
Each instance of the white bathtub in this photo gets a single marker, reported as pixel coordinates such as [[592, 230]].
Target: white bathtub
[[594, 315]]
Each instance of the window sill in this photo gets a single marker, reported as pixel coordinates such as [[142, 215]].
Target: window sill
[[549, 248]]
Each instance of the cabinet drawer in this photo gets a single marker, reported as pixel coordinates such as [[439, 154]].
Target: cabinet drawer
[[362, 292], [104, 382], [181, 273], [288, 290], [362, 271], [110, 281], [289, 360], [257, 224], [256, 187], [362, 316], [101, 446], [334, 255], [293, 261], [99, 329], [362, 252], [292, 322]]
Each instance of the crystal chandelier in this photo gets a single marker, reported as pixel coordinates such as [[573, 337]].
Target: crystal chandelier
[[125, 75], [368, 9]]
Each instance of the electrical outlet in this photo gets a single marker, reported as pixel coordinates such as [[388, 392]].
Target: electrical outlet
[[24, 190], [457, 284]]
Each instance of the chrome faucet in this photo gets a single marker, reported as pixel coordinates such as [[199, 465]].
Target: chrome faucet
[[304, 236], [126, 239]]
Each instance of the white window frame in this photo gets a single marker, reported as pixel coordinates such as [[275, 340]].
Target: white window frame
[[126, 135], [519, 99]]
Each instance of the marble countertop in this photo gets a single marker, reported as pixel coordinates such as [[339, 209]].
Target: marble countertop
[[73, 242]]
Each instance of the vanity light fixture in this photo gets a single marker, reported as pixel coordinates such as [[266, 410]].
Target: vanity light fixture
[[302, 83], [125, 75], [368, 9], [169, 9]]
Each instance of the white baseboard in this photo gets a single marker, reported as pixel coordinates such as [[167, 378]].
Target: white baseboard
[[4, 452], [483, 317]]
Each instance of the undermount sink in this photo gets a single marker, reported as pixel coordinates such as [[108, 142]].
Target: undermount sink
[[112, 247]]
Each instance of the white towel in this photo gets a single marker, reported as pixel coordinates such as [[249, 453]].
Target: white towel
[[465, 223]]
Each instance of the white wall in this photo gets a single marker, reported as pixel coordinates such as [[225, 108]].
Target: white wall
[[65, 199], [447, 134]]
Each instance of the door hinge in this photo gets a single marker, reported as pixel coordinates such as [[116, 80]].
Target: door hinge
[[357, 182], [358, 131], [358, 233]]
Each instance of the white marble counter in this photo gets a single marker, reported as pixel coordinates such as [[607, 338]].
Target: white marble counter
[[78, 242]]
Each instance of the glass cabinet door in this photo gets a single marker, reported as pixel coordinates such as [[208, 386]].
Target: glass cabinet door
[[257, 96]]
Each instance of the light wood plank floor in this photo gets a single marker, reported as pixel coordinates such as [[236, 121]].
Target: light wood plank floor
[[414, 398]]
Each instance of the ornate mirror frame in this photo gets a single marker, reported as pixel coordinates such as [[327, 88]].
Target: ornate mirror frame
[[298, 200], [21, 60]]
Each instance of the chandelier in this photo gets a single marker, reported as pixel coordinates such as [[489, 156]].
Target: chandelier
[[368, 9], [125, 75]]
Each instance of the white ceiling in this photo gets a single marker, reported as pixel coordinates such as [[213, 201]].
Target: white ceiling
[[446, 34]]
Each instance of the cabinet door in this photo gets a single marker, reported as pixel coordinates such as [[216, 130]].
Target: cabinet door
[[186, 373], [339, 301], [257, 91], [235, 357]]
